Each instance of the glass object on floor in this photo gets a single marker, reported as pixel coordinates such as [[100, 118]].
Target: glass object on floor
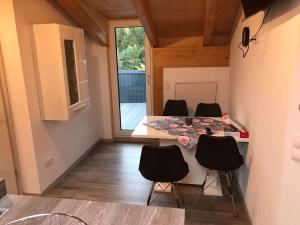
[[49, 218]]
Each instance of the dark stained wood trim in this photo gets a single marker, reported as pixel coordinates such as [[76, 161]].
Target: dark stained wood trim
[[209, 23], [106, 140], [242, 197], [145, 17], [86, 20]]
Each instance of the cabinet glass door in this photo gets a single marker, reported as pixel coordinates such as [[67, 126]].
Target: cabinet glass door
[[71, 71]]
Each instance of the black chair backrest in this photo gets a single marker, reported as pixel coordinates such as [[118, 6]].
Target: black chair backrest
[[218, 153], [176, 108], [208, 110], [162, 164]]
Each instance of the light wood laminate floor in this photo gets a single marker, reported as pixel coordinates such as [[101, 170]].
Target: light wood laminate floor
[[110, 174]]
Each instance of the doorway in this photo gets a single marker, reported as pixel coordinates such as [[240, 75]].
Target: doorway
[[130, 76]]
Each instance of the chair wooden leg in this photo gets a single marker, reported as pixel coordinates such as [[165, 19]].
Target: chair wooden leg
[[150, 194], [231, 194], [202, 188]]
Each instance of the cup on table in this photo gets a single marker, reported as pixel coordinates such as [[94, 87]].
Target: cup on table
[[188, 121]]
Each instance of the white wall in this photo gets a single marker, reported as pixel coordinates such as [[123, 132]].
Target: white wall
[[18, 96], [64, 141], [290, 204], [263, 97], [98, 57], [7, 167], [219, 75]]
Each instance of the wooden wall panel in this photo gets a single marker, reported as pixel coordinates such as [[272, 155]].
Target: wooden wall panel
[[188, 53]]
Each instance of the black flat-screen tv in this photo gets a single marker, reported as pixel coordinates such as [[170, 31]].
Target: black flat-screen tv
[[252, 7]]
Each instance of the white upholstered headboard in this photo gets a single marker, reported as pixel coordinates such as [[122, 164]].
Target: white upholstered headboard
[[193, 93]]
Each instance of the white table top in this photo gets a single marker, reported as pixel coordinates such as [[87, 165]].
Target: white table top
[[142, 131]]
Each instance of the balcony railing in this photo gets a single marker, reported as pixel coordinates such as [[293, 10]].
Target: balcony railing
[[132, 86]]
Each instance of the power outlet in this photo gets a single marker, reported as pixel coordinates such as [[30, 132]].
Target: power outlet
[[49, 162]]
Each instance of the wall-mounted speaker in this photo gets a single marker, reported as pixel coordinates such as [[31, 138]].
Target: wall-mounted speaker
[[246, 36]]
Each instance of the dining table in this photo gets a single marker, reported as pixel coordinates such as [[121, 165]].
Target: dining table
[[174, 130], [35, 210]]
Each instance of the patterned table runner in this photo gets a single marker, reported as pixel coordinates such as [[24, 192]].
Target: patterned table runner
[[188, 135]]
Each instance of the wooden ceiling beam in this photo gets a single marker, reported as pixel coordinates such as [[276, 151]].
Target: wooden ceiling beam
[[143, 13], [87, 19], [209, 23]]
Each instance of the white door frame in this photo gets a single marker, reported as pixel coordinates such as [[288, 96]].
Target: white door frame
[[114, 79]]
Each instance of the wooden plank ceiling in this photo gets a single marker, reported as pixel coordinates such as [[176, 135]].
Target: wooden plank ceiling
[[210, 19], [113, 9]]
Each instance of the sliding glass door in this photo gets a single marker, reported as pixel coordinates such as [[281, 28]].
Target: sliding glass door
[[131, 83]]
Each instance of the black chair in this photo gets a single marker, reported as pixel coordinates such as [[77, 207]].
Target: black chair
[[176, 108], [220, 154], [163, 164], [208, 110]]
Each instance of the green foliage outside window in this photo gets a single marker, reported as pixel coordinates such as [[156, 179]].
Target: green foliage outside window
[[130, 48]]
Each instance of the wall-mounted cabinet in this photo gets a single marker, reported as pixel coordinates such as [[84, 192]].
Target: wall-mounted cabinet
[[61, 70]]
